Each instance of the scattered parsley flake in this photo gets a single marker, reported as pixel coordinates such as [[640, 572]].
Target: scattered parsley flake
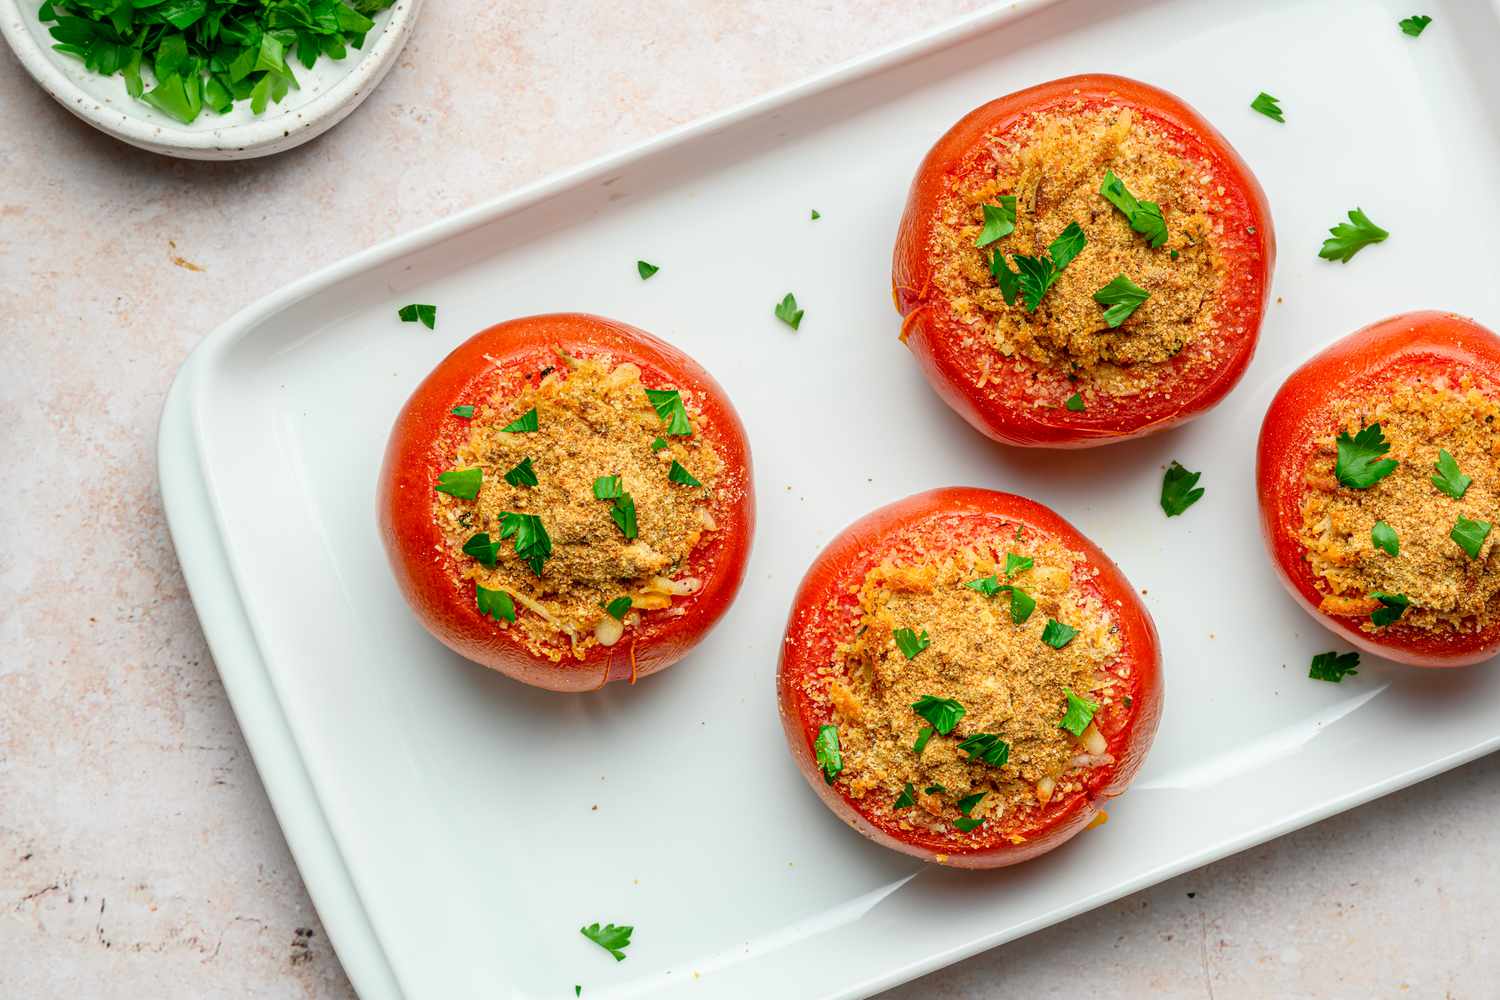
[[999, 220], [1179, 489], [1333, 666], [461, 483], [669, 407], [415, 313], [1144, 216], [943, 713], [906, 799], [1268, 106], [1359, 465], [623, 514], [1414, 25], [1035, 275], [986, 748], [1392, 607], [645, 270], [827, 748], [816, 215], [965, 824], [1123, 297], [532, 542], [788, 313], [1056, 634], [480, 547], [658, 444], [968, 802], [616, 609], [910, 643], [678, 474], [1383, 537], [1017, 564], [989, 586], [935, 790], [921, 744], [1449, 478], [494, 603], [522, 475], [607, 488], [611, 938], [1347, 240], [1470, 535], [526, 423], [1079, 714], [1022, 605], [1075, 403], [463, 412]]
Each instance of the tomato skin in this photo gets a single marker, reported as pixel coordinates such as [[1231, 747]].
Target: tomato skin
[[1417, 343], [999, 409], [426, 436], [820, 618]]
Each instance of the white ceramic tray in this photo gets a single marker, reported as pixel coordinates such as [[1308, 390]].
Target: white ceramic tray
[[455, 829]]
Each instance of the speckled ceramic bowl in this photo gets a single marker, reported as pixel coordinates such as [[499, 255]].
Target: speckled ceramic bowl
[[329, 91]]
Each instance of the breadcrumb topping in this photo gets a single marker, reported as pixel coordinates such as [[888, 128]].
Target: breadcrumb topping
[[593, 419], [1448, 590]]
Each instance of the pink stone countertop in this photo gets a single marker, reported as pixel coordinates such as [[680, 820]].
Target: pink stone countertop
[[138, 855]]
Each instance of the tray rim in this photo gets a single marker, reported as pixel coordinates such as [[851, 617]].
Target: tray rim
[[215, 584]]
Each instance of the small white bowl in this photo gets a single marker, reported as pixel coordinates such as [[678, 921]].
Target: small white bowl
[[329, 91]]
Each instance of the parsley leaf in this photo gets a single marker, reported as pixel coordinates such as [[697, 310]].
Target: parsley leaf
[[968, 802], [827, 748], [934, 790], [1449, 479], [1333, 666], [461, 483], [1392, 607], [1035, 275], [1383, 537], [494, 603], [669, 407], [616, 609], [1268, 106], [678, 474], [526, 423], [1359, 465], [1017, 564], [1069, 244], [532, 543], [1056, 634], [464, 412], [999, 220], [1022, 605], [623, 514], [989, 586], [1178, 491], [986, 748], [645, 270], [911, 644], [611, 938], [922, 738], [1075, 403], [816, 215], [1347, 240], [415, 313], [1079, 714], [607, 488], [1123, 297], [906, 799], [964, 824], [943, 713], [788, 313], [1414, 25], [480, 547], [1144, 216], [658, 444], [1470, 535], [522, 475]]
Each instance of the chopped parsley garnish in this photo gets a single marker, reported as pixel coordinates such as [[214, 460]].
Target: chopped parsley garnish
[[526, 423], [465, 412], [531, 540], [964, 824], [1179, 489], [623, 514], [1123, 297], [943, 713], [1333, 666], [1079, 714], [921, 744], [607, 488], [678, 474], [911, 644], [461, 483], [668, 406], [1144, 216], [1075, 403], [424, 314], [906, 799], [1359, 465], [1383, 537], [1414, 25], [1392, 607], [1449, 479], [788, 313], [816, 215], [611, 938], [480, 547], [658, 444], [522, 475], [1470, 535], [1347, 240], [986, 748], [616, 609], [999, 220], [989, 586], [207, 53], [827, 748], [1017, 564], [934, 790], [1034, 275], [645, 270], [1268, 106], [968, 802], [494, 603], [1022, 605], [1056, 634]]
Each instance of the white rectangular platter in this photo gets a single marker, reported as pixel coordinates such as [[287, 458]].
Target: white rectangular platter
[[455, 829]]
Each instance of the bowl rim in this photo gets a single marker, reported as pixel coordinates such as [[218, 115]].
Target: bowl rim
[[267, 134]]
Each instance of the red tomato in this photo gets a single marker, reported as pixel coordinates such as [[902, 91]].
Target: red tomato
[[941, 520], [1418, 344], [998, 394], [426, 437]]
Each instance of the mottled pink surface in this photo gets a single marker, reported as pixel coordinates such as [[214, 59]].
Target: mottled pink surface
[[138, 855]]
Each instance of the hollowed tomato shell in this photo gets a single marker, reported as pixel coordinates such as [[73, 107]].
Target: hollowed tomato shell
[[1412, 345], [823, 614], [1003, 407], [426, 437]]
